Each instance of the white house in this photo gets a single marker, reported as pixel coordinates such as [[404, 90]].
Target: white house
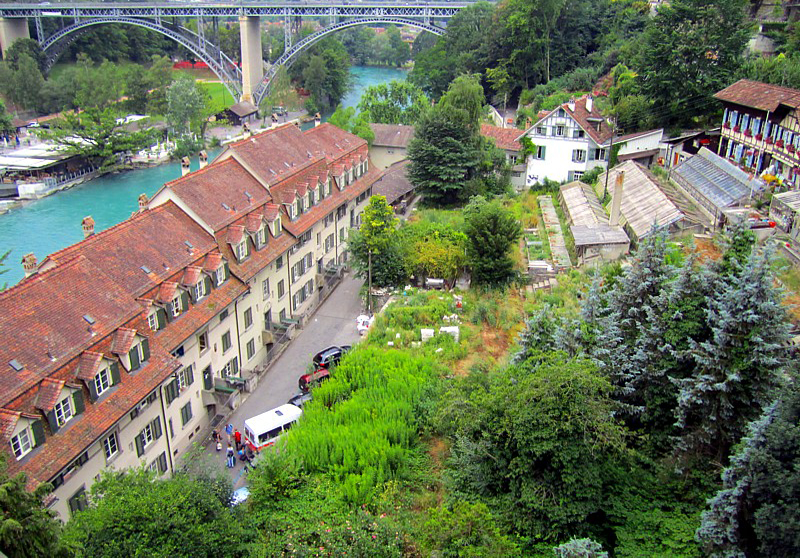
[[575, 138]]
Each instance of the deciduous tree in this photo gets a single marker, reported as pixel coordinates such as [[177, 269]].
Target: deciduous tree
[[398, 102]]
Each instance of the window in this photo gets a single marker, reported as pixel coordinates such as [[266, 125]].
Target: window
[[152, 321], [541, 130], [251, 348], [241, 250], [276, 227], [329, 242], [232, 368], [319, 240], [63, 411], [102, 381], [558, 131], [185, 377], [282, 315], [578, 133], [261, 237], [578, 155], [147, 435], [202, 341], [200, 290], [111, 446], [175, 306], [248, 318], [281, 289], [341, 235], [576, 175], [265, 289], [78, 501], [21, 444], [279, 262], [539, 152], [600, 154], [186, 413], [226, 341]]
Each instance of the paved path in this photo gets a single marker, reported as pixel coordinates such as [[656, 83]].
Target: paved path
[[334, 323]]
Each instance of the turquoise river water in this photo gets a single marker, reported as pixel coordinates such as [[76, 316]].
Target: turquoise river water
[[52, 223]]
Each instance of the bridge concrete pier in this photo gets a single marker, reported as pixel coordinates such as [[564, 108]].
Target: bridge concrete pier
[[12, 29], [252, 66]]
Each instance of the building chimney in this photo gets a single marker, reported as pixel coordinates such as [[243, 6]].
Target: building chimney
[[616, 199], [571, 104], [29, 264], [88, 226], [184, 166], [143, 202], [589, 103], [203, 159], [317, 120]]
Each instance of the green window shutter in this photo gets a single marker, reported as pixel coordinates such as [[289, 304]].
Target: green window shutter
[[139, 445], [171, 391], [168, 312], [544, 149], [161, 318], [184, 415], [162, 463], [192, 294], [184, 301], [77, 400], [114, 373], [207, 281], [157, 428], [146, 350], [92, 389], [51, 419], [38, 433], [227, 271], [235, 366], [189, 375], [134, 356]]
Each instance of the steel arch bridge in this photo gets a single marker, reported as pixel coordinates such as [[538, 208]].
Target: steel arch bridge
[[251, 81], [218, 62], [290, 56]]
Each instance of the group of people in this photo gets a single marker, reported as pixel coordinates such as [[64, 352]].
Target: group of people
[[243, 452]]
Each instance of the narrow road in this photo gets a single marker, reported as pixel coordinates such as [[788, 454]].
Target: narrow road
[[334, 323]]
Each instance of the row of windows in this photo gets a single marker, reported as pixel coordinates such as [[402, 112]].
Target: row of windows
[[300, 296], [597, 154], [300, 268], [560, 130], [756, 125], [158, 319]]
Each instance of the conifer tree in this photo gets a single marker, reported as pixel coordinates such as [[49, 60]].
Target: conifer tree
[[757, 512], [738, 368], [538, 335]]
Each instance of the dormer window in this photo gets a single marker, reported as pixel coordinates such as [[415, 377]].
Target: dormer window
[[63, 411], [200, 289], [261, 237], [175, 306], [220, 275], [31, 436], [102, 381], [241, 250], [138, 354], [152, 321], [296, 209], [312, 197]]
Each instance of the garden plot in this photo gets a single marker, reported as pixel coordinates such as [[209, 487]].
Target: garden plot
[[558, 246]]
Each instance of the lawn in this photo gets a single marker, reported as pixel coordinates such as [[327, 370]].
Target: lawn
[[221, 98]]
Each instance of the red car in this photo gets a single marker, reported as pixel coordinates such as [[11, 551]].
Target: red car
[[315, 378]]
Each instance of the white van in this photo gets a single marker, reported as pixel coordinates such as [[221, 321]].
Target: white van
[[263, 430]]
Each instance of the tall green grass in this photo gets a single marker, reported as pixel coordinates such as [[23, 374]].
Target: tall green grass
[[363, 424]]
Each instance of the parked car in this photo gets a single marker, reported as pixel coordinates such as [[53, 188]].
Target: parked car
[[330, 357], [306, 381], [300, 399]]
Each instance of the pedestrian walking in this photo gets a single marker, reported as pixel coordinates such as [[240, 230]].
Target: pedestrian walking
[[237, 436], [229, 432], [231, 457]]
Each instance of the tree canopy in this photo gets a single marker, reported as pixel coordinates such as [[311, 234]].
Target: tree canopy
[[396, 102]]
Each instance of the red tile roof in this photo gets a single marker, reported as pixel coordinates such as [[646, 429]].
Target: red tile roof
[[122, 341], [218, 193], [212, 262], [8, 422], [44, 320], [271, 211], [235, 234], [504, 138], [254, 222], [333, 142], [586, 120], [191, 276], [277, 153], [60, 449], [49, 391], [155, 239], [758, 95], [258, 259], [392, 135], [89, 365], [167, 291], [200, 313]]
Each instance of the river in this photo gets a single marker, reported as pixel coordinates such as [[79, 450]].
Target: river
[[47, 225]]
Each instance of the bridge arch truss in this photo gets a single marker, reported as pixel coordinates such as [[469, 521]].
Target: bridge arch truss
[[290, 56], [218, 62]]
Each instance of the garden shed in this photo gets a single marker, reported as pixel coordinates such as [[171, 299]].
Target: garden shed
[[644, 206], [594, 237], [714, 183], [785, 211]]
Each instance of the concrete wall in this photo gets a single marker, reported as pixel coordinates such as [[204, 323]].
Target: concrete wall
[[252, 67], [11, 30]]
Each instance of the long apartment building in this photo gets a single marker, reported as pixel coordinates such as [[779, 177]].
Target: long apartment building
[[761, 128], [121, 349]]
